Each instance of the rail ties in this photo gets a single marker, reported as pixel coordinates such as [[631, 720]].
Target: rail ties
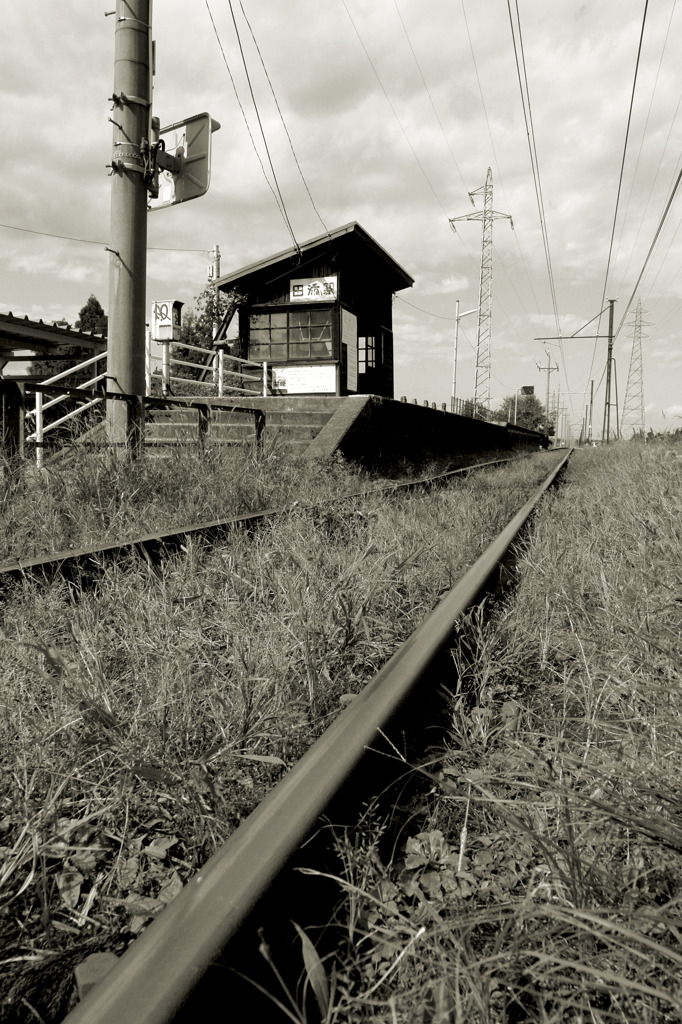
[[154, 976]]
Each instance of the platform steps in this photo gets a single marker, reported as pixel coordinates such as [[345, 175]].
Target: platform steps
[[166, 428]]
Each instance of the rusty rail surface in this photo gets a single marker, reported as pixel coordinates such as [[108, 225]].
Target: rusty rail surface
[[154, 976], [153, 547]]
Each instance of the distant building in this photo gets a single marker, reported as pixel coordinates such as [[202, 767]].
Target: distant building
[[320, 315]]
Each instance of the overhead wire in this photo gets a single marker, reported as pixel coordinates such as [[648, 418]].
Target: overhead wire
[[639, 152], [535, 168], [91, 241], [653, 184], [393, 110], [428, 93], [661, 222], [281, 117], [243, 112], [620, 176], [262, 130], [492, 145]]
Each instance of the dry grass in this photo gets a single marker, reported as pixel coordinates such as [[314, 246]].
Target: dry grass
[[142, 720], [545, 883]]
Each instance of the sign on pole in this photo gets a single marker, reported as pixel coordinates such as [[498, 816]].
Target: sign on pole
[[184, 160]]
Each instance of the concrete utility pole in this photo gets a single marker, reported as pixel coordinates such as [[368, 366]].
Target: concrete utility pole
[[606, 426], [131, 117], [213, 275], [214, 265], [487, 215], [548, 370], [458, 317]]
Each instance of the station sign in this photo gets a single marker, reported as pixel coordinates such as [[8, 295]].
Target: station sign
[[314, 289]]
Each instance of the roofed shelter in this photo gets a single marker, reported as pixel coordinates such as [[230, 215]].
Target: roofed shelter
[[25, 341], [320, 314]]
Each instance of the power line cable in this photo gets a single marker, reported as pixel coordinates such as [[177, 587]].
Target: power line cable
[[91, 241], [393, 110], [620, 179], [639, 151], [243, 112], [535, 168], [492, 145], [281, 116], [651, 249], [439, 316], [532, 149], [428, 92], [262, 130]]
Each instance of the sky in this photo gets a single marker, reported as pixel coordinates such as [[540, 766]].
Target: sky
[[394, 110]]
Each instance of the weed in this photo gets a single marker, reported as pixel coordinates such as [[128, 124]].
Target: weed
[[547, 874]]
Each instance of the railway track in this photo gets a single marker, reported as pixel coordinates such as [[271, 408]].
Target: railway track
[[85, 563], [217, 913]]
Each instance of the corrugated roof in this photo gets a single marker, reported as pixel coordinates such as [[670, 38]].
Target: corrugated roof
[[19, 330]]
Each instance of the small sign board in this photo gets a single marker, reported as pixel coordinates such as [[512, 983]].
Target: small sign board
[[189, 142], [314, 289], [304, 380], [166, 320]]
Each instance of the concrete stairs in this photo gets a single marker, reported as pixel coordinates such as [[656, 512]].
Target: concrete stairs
[[295, 422]]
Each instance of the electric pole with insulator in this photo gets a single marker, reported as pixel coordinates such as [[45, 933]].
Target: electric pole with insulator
[[131, 117], [483, 347], [151, 168]]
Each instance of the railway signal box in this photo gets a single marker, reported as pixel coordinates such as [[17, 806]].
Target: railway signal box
[[320, 314]]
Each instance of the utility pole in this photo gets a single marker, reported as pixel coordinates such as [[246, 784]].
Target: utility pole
[[589, 425], [633, 406], [131, 117], [548, 370], [213, 275], [606, 426], [487, 215], [458, 317], [214, 265]]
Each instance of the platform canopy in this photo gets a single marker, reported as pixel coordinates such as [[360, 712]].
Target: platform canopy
[[348, 242], [23, 340]]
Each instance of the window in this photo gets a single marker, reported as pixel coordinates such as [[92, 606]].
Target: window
[[367, 353], [288, 335]]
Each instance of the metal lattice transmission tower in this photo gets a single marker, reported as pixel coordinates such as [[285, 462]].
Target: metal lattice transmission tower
[[483, 347], [633, 406]]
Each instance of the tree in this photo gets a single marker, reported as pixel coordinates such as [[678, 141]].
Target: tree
[[92, 318], [198, 323], [530, 412]]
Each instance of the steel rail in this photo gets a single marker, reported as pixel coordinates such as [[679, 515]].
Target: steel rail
[[153, 546], [155, 975]]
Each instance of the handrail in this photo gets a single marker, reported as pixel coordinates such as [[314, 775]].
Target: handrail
[[217, 365], [41, 429], [72, 369], [157, 972]]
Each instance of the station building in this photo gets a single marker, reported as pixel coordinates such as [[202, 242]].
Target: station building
[[320, 314]]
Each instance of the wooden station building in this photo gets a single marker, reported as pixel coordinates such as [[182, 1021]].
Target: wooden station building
[[320, 314]]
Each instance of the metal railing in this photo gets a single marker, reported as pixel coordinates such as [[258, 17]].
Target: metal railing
[[41, 406], [248, 378]]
